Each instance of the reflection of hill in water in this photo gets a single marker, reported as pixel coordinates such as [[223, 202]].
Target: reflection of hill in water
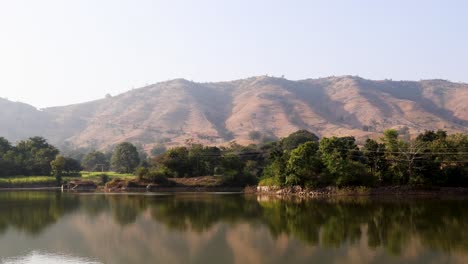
[[440, 225]]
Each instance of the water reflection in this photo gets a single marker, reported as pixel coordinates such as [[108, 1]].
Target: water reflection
[[207, 228], [31, 212], [43, 257]]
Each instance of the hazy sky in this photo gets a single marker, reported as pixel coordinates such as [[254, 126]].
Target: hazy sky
[[56, 52]]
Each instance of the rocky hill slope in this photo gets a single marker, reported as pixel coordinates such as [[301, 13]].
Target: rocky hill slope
[[248, 110]]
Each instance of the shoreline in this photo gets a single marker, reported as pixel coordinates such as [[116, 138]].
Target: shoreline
[[396, 190], [181, 189], [44, 188], [295, 191]]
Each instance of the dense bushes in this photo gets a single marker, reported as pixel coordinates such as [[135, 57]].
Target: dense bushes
[[154, 175], [234, 164]]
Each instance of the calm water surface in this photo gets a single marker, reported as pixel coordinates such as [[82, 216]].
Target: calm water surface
[[51, 227]]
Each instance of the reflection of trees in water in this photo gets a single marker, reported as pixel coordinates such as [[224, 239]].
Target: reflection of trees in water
[[439, 224], [126, 209], [31, 212], [202, 212]]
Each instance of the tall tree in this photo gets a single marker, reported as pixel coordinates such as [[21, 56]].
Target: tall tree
[[125, 158], [393, 154], [58, 166], [374, 153]]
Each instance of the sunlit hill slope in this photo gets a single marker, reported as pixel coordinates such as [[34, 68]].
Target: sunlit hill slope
[[214, 113]]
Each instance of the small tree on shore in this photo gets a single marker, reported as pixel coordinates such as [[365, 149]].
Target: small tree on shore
[[58, 165]]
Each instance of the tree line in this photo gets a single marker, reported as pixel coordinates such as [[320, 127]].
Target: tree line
[[432, 158], [36, 157], [31, 157]]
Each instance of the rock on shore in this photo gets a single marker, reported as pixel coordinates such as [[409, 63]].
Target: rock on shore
[[360, 190], [79, 185]]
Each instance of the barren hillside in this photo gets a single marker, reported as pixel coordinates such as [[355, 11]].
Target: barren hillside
[[214, 113]]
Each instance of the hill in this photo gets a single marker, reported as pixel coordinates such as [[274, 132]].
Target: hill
[[248, 110]]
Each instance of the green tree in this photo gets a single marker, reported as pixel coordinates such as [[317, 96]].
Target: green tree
[[35, 155], [95, 161], [252, 168], [452, 152], [393, 150], [125, 158], [341, 157], [72, 167], [5, 146], [203, 159], [232, 162], [58, 166], [304, 165], [276, 167], [297, 138], [374, 153], [390, 139], [430, 136], [233, 170], [6, 165], [410, 160], [177, 160]]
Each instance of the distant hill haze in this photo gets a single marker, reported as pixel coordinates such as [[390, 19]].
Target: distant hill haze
[[247, 111]]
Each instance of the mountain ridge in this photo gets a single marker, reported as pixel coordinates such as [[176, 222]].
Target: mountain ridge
[[174, 111]]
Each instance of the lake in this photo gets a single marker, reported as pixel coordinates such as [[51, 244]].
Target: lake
[[55, 227]]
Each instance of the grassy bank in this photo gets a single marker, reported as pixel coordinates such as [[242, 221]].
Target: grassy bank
[[49, 181], [28, 181], [96, 176]]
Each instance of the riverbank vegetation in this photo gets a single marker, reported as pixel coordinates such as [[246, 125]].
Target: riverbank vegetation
[[27, 181], [433, 158]]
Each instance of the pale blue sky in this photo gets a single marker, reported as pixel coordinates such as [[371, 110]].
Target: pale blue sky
[[56, 52]]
